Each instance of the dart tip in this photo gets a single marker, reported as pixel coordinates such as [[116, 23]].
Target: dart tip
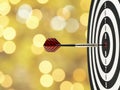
[[105, 45]]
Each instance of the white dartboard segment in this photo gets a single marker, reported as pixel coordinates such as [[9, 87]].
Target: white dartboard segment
[[104, 28]]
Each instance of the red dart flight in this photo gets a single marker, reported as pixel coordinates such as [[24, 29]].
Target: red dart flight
[[51, 45]]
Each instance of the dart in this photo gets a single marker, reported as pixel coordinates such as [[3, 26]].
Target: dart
[[52, 44]]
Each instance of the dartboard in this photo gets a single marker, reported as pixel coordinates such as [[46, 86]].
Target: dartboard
[[104, 61]]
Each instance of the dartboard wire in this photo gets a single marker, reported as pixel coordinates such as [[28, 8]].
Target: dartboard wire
[[105, 6]]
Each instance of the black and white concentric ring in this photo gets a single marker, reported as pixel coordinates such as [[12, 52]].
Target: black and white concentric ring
[[104, 64]]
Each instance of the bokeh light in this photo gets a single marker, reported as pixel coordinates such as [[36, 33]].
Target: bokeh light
[[45, 66], [7, 82], [64, 12], [71, 8], [9, 47], [39, 40], [58, 23], [84, 19], [23, 13], [37, 13], [46, 80], [58, 75], [79, 75], [78, 86], [4, 7], [32, 22], [9, 33], [42, 1], [66, 85], [72, 25]]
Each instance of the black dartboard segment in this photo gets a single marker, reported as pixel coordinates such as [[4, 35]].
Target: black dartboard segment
[[104, 28]]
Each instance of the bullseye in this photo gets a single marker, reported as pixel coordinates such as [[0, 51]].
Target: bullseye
[[106, 42]]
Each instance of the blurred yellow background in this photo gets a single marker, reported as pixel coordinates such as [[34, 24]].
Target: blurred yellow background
[[24, 27]]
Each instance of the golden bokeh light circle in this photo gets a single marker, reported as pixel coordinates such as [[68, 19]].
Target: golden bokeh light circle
[[9, 33], [79, 75], [58, 75], [72, 25], [78, 86], [4, 8], [45, 67], [58, 23], [66, 85], [7, 82], [32, 22], [37, 13], [84, 19], [46, 80], [39, 40], [9, 47], [63, 12]]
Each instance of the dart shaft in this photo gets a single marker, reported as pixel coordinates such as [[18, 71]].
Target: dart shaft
[[81, 45]]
